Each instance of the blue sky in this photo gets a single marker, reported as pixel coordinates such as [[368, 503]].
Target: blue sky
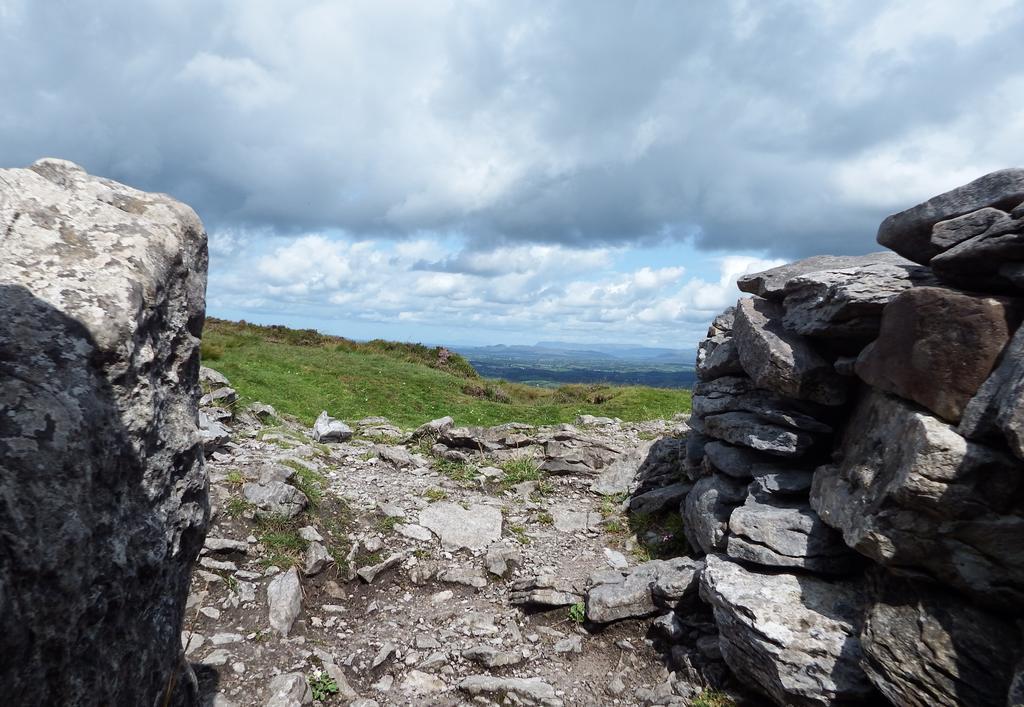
[[474, 172]]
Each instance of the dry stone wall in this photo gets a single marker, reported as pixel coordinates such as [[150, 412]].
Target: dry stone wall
[[103, 496], [858, 464]]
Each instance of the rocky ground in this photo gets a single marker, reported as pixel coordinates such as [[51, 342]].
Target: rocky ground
[[450, 566]]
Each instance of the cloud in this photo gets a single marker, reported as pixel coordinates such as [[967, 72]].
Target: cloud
[[787, 127]]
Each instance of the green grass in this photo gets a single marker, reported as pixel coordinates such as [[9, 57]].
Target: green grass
[[301, 372], [578, 612], [713, 698], [520, 469], [435, 494]]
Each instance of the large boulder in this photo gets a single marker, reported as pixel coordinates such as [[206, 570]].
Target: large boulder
[[103, 498], [777, 359], [796, 638], [717, 354], [997, 410], [748, 430], [706, 511], [937, 346], [913, 495], [771, 284], [992, 261], [738, 394], [924, 647], [909, 232]]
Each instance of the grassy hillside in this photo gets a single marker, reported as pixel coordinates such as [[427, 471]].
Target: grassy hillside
[[301, 372]]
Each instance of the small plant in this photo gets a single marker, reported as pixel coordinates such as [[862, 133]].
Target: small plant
[[520, 469], [519, 533], [386, 524], [368, 455], [462, 472], [235, 477], [236, 507], [614, 526], [421, 553], [545, 488], [545, 518], [322, 685], [713, 698], [578, 612], [435, 494]]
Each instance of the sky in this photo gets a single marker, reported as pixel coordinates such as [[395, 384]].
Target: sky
[[507, 172]]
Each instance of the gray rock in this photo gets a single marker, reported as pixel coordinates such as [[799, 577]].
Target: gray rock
[[434, 428], [275, 497], [492, 657], [501, 558], [738, 394], [926, 648], [748, 430], [466, 576], [937, 346], [659, 499], [398, 457], [996, 412], [779, 534], [284, 597], [946, 234], [317, 558], [571, 644], [738, 462], [262, 411], [370, 573], [474, 528], [220, 396], [566, 521], [777, 359], [633, 595], [770, 481], [717, 356], [934, 504], [771, 284], [793, 637], [847, 303], [574, 454], [993, 261], [413, 532], [213, 434], [527, 691], [104, 495], [327, 429], [620, 475], [225, 545], [212, 378], [707, 509], [909, 232], [289, 690], [545, 590]]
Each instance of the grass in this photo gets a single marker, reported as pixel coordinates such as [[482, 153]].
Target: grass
[[463, 472], [713, 698], [520, 469], [301, 372], [519, 533], [435, 494], [578, 612], [386, 524]]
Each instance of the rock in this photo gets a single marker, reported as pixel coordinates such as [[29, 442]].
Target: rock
[[413, 531], [501, 558], [391, 510], [262, 411], [225, 545], [544, 590], [434, 428], [327, 429], [578, 455], [748, 430], [474, 528], [911, 494], [847, 303], [220, 396], [369, 574], [316, 560], [420, 683], [467, 576], [284, 597], [996, 412], [632, 596], [309, 534], [492, 658], [927, 648], [791, 534], [572, 644], [529, 691], [620, 474], [946, 234], [909, 232], [794, 637], [921, 356], [398, 457], [384, 654], [101, 311], [615, 559], [289, 690], [594, 421], [276, 497], [774, 481], [572, 521], [779, 360], [771, 284], [993, 261], [213, 434], [659, 499], [717, 354], [707, 509], [212, 378], [738, 394], [738, 462]]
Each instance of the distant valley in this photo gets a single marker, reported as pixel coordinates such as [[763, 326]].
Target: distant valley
[[553, 363]]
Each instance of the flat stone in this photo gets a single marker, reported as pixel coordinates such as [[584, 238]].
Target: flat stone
[[912, 494], [738, 462], [937, 346], [417, 683], [370, 573], [779, 534], [748, 430], [771, 284], [946, 234], [501, 558], [793, 637], [491, 657], [909, 232], [633, 595], [276, 497], [571, 644], [398, 457], [659, 499], [620, 474], [738, 394], [434, 428], [717, 354], [529, 691], [991, 262], [924, 647], [413, 531], [545, 590], [284, 597], [225, 545], [707, 509], [996, 412], [317, 558], [776, 359], [466, 576], [474, 528], [566, 521]]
